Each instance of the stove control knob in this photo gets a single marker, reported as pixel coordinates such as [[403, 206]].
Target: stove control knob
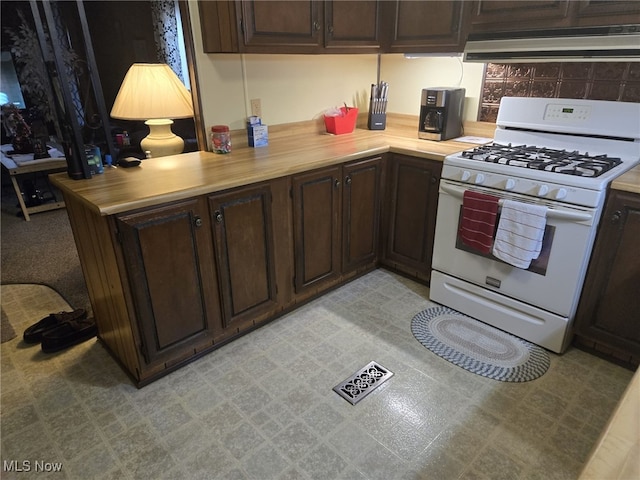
[[479, 179], [510, 184], [561, 193], [465, 175], [543, 190]]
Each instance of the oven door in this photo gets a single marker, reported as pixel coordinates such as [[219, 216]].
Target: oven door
[[552, 283]]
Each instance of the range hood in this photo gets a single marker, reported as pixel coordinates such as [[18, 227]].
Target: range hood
[[620, 43]]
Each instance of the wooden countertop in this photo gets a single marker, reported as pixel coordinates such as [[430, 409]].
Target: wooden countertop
[[629, 181], [290, 151], [617, 453]]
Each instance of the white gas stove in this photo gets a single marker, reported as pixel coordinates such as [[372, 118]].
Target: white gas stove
[[559, 145], [561, 154]]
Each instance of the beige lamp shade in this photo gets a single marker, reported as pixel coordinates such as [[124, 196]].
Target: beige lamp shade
[[153, 92]]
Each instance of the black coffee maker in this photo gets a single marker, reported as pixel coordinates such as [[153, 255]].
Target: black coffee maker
[[441, 113]]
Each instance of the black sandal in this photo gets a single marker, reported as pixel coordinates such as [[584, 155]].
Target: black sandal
[[68, 334], [33, 334]]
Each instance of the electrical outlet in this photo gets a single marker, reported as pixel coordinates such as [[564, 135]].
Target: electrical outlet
[[256, 107]]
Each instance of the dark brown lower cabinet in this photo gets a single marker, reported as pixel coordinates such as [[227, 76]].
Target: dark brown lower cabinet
[[198, 272], [245, 255], [317, 218], [410, 215], [172, 279], [361, 202], [336, 213], [608, 317]]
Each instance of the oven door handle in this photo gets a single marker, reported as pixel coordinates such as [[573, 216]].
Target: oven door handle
[[551, 212]]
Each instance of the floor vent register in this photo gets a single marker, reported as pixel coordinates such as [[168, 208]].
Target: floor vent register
[[363, 382]]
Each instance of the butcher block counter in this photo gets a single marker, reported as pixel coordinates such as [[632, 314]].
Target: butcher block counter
[[616, 456], [629, 181], [291, 150]]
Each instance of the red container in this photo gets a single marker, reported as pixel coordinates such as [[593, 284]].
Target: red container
[[344, 123]]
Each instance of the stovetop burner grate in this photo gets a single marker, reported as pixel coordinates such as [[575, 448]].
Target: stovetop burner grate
[[547, 159]]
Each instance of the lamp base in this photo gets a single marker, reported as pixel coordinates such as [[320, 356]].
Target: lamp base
[[161, 141]]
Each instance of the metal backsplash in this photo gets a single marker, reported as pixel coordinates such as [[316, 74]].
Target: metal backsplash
[[616, 81]]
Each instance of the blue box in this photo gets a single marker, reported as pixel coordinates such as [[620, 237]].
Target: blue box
[[258, 135]]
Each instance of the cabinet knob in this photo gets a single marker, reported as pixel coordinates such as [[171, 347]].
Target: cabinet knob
[[617, 215], [330, 29], [434, 180], [197, 221], [218, 216], [347, 180], [316, 25], [336, 183]]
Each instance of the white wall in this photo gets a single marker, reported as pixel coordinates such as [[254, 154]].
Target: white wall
[[294, 88], [408, 76]]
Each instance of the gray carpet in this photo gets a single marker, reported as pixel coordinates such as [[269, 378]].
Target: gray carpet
[[41, 251]]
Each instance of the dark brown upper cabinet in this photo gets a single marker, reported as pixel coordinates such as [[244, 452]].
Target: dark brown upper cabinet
[[333, 26], [280, 24], [609, 12], [309, 26], [504, 16], [352, 24], [425, 27], [390, 26]]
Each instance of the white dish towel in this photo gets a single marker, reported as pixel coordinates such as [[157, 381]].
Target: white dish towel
[[519, 234]]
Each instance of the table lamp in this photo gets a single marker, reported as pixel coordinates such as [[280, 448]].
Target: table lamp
[[154, 93]]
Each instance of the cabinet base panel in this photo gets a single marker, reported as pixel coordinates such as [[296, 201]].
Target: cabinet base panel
[[142, 378], [416, 276], [623, 359]]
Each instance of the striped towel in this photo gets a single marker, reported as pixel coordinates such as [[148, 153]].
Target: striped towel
[[479, 213], [520, 231]]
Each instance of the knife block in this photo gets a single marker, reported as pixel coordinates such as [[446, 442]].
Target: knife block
[[377, 121]]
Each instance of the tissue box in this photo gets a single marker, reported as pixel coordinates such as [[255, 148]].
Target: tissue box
[[258, 135], [344, 123]]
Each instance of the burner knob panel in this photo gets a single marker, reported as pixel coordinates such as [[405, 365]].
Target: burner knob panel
[[561, 193], [543, 190], [466, 175], [510, 184], [479, 179]]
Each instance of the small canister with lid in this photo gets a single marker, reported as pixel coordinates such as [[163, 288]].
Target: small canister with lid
[[220, 139]]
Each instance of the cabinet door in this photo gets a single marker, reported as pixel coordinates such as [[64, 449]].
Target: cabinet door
[[171, 274], [411, 214], [280, 23], [607, 12], [609, 310], [243, 237], [316, 216], [361, 212], [219, 26], [426, 26], [352, 24], [499, 15]]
